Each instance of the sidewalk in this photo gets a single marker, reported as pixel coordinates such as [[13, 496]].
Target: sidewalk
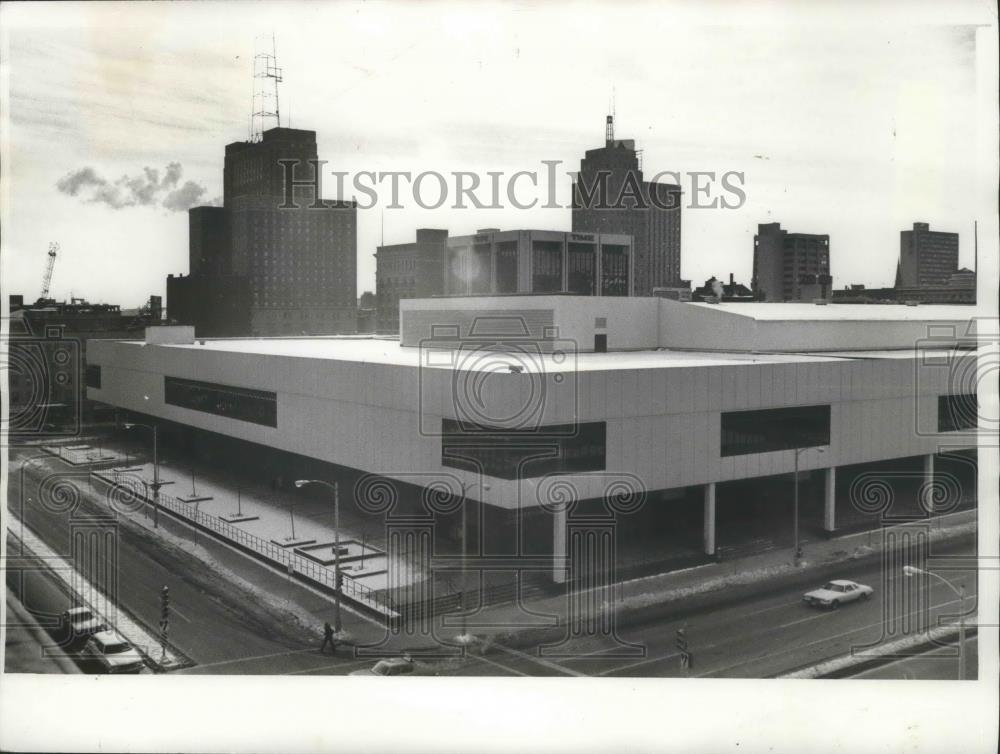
[[257, 517], [264, 528]]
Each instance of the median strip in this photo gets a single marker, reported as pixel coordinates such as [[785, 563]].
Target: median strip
[[884, 653]]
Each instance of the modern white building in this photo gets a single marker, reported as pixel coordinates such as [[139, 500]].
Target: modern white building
[[687, 429]]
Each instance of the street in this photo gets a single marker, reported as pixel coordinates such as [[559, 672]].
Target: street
[[755, 639], [224, 628]]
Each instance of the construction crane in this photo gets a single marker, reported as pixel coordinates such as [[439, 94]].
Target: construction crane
[[53, 249]]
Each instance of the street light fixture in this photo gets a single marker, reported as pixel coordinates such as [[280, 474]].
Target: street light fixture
[[156, 470], [291, 516], [798, 545], [909, 571], [464, 637], [299, 484]]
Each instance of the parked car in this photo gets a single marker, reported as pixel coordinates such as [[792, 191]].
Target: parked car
[[80, 622], [835, 593], [112, 653], [391, 666]]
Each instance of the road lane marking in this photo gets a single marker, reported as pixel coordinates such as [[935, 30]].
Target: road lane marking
[[825, 638], [344, 664], [672, 655], [252, 658], [498, 664], [539, 660], [174, 611]]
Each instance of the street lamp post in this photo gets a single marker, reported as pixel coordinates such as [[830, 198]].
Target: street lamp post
[[960, 592], [795, 516], [156, 470], [464, 635], [336, 543]]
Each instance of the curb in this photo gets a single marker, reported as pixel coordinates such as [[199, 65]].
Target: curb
[[851, 665]]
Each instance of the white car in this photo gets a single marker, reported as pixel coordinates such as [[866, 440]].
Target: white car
[[80, 623], [391, 666], [114, 655], [835, 593]]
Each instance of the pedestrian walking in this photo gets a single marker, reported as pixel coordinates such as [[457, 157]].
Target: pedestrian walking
[[328, 638]]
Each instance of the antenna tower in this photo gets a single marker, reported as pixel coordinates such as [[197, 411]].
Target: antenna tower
[[266, 77]]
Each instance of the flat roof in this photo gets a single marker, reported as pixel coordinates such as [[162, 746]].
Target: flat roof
[[834, 312], [384, 351]]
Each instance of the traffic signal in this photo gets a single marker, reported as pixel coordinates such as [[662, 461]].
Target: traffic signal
[[164, 604], [681, 641]]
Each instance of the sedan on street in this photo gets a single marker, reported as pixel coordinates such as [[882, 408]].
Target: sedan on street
[[112, 653], [80, 622], [391, 666], [835, 593]]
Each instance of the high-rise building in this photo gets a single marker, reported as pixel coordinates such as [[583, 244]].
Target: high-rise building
[[611, 196], [926, 257], [493, 262], [289, 261], [539, 261], [790, 266], [408, 270]]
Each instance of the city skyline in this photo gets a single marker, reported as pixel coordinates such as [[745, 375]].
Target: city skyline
[[817, 156], [632, 344]]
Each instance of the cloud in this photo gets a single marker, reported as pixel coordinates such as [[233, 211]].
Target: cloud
[[185, 197], [145, 189], [72, 183]]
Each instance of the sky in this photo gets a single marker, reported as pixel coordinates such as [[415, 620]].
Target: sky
[[847, 119]]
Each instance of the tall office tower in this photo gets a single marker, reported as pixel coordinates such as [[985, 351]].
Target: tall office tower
[[301, 260], [790, 266], [611, 196], [408, 270], [264, 265], [926, 257]]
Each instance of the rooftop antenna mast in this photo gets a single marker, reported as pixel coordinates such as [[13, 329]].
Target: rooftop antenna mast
[[266, 77], [609, 127], [975, 248]]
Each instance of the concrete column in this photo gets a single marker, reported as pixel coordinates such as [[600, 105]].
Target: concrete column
[[926, 491], [709, 528], [830, 500], [559, 545]]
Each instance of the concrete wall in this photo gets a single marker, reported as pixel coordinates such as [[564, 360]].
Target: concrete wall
[[726, 328], [631, 323]]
